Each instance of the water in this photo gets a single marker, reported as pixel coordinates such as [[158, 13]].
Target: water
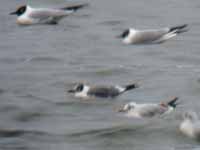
[[39, 63]]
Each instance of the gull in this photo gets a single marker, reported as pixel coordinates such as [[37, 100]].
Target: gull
[[148, 110], [190, 126], [27, 15], [81, 90], [151, 36]]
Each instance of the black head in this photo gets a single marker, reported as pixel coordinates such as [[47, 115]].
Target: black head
[[20, 10], [78, 88], [125, 33], [126, 107]]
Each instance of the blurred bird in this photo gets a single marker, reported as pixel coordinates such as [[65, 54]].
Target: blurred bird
[[85, 91], [190, 126], [148, 110], [151, 36], [28, 15]]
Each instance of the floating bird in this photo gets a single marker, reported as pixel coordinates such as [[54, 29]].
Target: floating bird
[[148, 110], [28, 15], [151, 36], [190, 125], [85, 91]]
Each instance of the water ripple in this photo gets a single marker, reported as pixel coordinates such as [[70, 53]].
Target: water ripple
[[40, 59], [28, 116], [107, 132], [18, 132], [111, 22]]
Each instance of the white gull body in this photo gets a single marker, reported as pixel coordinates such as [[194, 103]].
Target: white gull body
[[28, 15], [81, 90], [190, 126], [148, 110], [151, 36]]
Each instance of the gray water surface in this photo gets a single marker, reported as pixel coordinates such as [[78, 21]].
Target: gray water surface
[[38, 64]]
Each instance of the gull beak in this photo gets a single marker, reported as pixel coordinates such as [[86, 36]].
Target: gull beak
[[13, 13], [71, 91]]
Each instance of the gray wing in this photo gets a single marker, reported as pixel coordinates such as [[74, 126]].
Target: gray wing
[[148, 36], [151, 110], [104, 92], [45, 12], [49, 15]]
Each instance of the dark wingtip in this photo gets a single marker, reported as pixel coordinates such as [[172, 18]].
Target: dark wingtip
[[131, 86], [179, 29], [183, 26], [173, 102], [75, 7]]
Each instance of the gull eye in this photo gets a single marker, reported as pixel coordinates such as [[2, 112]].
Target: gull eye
[[79, 88], [125, 33], [21, 10]]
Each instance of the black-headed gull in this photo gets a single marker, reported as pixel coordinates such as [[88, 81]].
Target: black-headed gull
[[86, 91], [151, 36], [28, 15], [148, 110]]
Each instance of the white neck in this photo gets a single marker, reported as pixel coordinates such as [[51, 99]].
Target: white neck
[[84, 92], [28, 11], [130, 36]]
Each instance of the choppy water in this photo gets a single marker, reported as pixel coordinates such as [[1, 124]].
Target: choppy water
[[39, 63]]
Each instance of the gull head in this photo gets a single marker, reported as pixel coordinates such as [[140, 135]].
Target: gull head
[[77, 88], [124, 34], [20, 10], [191, 116]]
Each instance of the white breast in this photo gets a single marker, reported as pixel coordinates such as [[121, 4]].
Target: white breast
[[134, 114], [25, 19]]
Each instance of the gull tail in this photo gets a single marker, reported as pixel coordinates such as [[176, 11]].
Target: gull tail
[[173, 31], [74, 7], [178, 29], [131, 86], [173, 102]]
